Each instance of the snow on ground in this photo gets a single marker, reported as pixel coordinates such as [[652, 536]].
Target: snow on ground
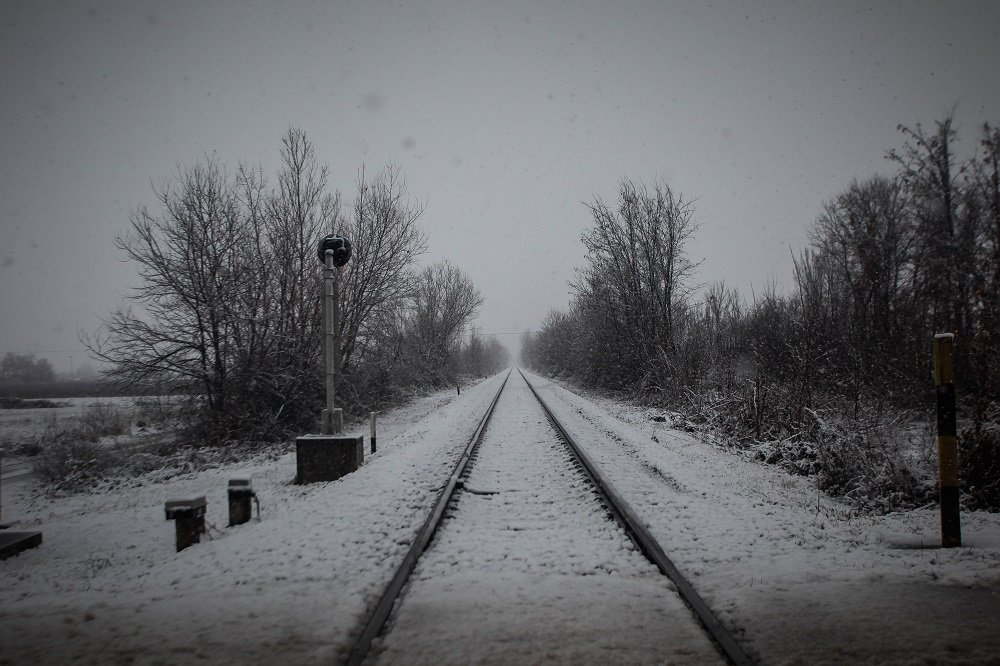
[[106, 586], [69, 410], [528, 565], [796, 576]]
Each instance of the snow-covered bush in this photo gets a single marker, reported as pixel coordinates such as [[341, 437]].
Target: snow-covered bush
[[22, 443], [865, 456], [103, 419], [868, 460], [70, 462], [159, 411], [979, 461]]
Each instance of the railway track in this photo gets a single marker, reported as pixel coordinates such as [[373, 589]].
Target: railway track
[[536, 557], [11, 469]]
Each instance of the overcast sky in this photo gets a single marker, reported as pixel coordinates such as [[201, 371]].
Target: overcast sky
[[504, 116]]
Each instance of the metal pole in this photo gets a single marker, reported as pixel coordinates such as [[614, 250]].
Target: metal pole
[[332, 417], [373, 431], [338, 414], [944, 380], [326, 427]]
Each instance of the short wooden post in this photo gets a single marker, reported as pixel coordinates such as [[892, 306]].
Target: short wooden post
[[944, 380], [373, 431]]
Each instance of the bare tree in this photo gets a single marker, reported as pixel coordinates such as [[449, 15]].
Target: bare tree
[[932, 178], [445, 301], [179, 322], [869, 237], [496, 357], [25, 369], [986, 288], [554, 348], [474, 354], [988, 185], [637, 275], [388, 242], [482, 356], [712, 341], [279, 331], [230, 287]]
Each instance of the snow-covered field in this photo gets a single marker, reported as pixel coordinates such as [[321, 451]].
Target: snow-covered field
[[99, 417], [106, 586], [34, 420], [794, 575]]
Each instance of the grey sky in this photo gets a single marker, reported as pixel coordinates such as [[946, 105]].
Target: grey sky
[[504, 116]]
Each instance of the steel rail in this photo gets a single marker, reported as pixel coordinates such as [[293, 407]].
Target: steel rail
[[382, 610], [648, 544]]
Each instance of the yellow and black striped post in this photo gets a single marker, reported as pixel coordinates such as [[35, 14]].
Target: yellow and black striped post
[[944, 380]]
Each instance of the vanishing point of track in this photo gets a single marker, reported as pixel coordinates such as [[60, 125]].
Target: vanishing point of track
[[612, 500]]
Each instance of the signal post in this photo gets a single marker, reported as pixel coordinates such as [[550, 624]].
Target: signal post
[[329, 455]]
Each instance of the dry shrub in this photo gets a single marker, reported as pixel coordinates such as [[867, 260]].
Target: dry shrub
[[103, 419], [22, 443], [979, 461], [162, 411], [76, 457], [866, 459], [68, 462]]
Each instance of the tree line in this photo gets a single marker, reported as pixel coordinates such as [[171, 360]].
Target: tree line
[[229, 298], [827, 378], [25, 369]]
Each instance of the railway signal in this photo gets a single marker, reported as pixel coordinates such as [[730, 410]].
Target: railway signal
[[334, 252], [330, 455]]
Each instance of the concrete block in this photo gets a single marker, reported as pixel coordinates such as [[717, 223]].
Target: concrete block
[[186, 507], [188, 514], [12, 543], [327, 457], [240, 495]]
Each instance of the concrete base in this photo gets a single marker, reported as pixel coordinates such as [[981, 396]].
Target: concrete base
[[12, 543], [327, 457]]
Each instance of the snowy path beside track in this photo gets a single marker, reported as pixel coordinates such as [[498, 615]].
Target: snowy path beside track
[[529, 568], [107, 587], [794, 575]]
